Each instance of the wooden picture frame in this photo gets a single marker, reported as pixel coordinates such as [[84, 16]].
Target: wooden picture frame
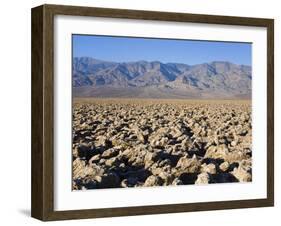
[[43, 108]]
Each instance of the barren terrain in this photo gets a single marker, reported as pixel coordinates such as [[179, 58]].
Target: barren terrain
[[158, 142]]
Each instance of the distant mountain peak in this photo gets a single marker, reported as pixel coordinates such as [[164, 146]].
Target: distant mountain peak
[[214, 78]]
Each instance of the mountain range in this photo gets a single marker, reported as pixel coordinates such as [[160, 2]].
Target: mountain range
[[143, 79]]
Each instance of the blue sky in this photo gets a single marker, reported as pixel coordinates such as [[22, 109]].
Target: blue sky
[[123, 49]]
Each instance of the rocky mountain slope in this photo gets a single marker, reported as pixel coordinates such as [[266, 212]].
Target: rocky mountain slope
[[218, 79]]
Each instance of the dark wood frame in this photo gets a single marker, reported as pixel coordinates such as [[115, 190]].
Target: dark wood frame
[[42, 112]]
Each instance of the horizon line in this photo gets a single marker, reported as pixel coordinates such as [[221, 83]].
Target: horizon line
[[151, 61]]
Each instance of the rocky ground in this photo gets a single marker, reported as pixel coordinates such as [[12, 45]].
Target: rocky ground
[[135, 143]]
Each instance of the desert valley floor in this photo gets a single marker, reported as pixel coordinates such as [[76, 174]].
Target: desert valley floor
[[156, 142]]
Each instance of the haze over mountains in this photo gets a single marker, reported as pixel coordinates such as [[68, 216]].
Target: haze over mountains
[[142, 79]]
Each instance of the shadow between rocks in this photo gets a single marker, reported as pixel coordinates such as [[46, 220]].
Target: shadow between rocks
[[188, 178], [223, 178]]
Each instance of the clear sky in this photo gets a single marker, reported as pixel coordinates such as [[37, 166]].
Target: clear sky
[[123, 49]]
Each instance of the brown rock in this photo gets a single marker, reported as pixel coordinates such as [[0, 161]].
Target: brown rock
[[177, 181], [242, 173], [203, 178], [188, 165], [95, 159], [210, 168], [80, 170], [224, 166], [217, 152], [153, 181], [109, 153]]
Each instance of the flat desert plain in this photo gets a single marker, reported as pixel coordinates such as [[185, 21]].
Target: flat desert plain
[[158, 142]]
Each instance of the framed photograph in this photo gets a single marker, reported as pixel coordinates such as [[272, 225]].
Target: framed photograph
[[141, 112]]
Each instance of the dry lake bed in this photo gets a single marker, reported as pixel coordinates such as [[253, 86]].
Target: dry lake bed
[[155, 142]]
